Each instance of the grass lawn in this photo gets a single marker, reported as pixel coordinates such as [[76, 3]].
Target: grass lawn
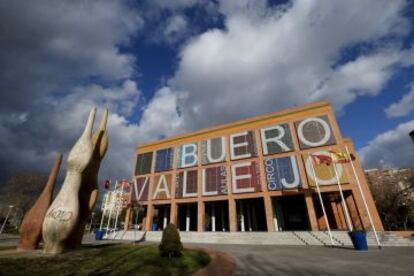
[[121, 259]]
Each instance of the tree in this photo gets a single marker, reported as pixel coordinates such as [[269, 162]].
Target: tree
[[394, 198], [170, 245], [22, 190]]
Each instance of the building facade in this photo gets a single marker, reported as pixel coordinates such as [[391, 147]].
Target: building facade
[[252, 175]]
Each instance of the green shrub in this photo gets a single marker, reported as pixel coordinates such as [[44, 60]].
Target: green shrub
[[170, 245]]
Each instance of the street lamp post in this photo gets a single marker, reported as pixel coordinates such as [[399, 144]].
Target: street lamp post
[[412, 135], [7, 217], [91, 222]]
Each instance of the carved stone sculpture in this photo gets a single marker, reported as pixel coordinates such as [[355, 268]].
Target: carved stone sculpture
[[88, 193], [63, 215], [31, 227]]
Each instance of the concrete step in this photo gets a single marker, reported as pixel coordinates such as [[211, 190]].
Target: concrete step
[[316, 238], [286, 238]]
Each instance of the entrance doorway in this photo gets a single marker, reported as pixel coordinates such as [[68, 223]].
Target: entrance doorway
[[139, 217], [187, 217], [335, 211], [161, 217], [216, 216], [251, 215], [290, 213]]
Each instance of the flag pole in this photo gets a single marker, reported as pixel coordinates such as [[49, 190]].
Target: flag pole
[[133, 189], [363, 198], [348, 219], [103, 214], [121, 190], [111, 207], [321, 201]]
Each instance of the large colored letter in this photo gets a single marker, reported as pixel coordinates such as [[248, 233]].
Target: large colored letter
[[214, 150], [188, 155], [214, 181], [314, 132], [282, 173], [186, 184], [245, 177], [162, 187], [141, 188], [242, 145], [325, 175], [276, 139]]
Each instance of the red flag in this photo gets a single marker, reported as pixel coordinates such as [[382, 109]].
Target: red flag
[[322, 159], [107, 185], [125, 184]]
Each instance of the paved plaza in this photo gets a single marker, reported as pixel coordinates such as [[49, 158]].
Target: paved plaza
[[302, 260], [317, 260]]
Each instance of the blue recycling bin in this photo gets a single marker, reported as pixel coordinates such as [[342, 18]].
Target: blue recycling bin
[[154, 227], [359, 240], [99, 235]]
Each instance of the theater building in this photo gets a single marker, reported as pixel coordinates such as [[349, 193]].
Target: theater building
[[255, 174]]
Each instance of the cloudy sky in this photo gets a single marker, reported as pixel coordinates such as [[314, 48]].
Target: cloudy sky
[[165, 67]]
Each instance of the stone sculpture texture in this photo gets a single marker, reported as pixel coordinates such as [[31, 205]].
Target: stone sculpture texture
[[88, 193], [62, 218], [31, 227]]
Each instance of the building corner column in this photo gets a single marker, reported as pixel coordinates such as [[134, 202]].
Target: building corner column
[[269, 213], [128, 214], [173, 213], [232, 215], [310, 207], [200, 216], [148, 222]]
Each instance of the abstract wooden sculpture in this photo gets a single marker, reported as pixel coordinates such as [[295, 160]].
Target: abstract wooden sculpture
[[63, 215], [31, 228], [88, 193]]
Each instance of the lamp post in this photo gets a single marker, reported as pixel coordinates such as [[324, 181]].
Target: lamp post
[[7, 217], [91, 222], [412, 135]]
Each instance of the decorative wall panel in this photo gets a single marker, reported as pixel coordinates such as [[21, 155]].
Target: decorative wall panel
[[186, 184], [187, 155], [164, 160], [242, 145], [282, 173], [314, 132], [276, 139], [245, 177], [141, 188], [162, 186], [325, 175], [144, 162], [214, 181], [213, 150]]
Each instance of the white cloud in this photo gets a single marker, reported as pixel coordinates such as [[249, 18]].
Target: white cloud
[[403, 107], [176, 28], [391, 149], [32, 140], [158, 120], [58, 60], [172, 30], [160, 117], [52, 45], [53, 125], [174, 5], [267, 59]]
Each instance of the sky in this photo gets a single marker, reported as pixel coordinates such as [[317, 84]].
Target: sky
[[166, 67]]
